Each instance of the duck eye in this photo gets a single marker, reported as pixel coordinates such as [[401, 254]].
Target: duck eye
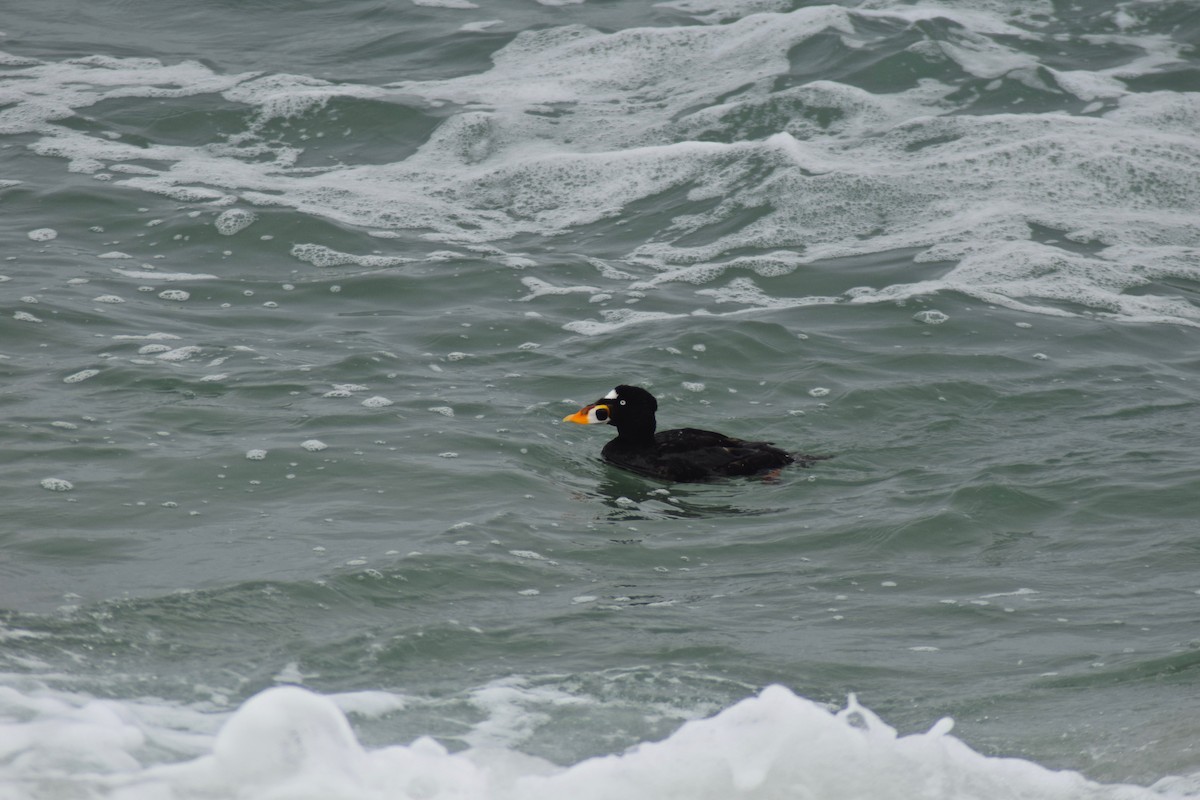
[[622, 402]]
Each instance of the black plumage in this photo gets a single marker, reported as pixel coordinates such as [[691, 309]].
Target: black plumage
[[682, 454]]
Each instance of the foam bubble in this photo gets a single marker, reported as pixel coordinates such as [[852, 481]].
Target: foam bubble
[[43, 234], [165, 277], [540, 288], [289, 742], [256, 454], [158, 335], [25, 316], [532, 555], [57, 485], [931, 317], [321, 256], [234, 220], [768, 164], [108, 298], [481, 26], [313, 445], [82, 375], [177, 295], [376, 402], [180, 353]]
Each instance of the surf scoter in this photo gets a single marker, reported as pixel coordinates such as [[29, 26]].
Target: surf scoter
[[683, 454]]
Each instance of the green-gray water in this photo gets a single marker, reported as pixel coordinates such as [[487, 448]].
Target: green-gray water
[[295, 297]]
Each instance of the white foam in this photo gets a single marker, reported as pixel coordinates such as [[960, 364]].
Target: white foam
[[931, 317], [571, 125], [82, 375], [322, 256], [540, 288], [313, 445], [234, 220], [180, 353], [288, 742], [43, 234], [617, 318], [166, 277], [159, 335], [57, 484], [532, 555], [480, 26]]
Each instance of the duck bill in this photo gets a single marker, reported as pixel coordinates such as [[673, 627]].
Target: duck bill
[[588, 415]]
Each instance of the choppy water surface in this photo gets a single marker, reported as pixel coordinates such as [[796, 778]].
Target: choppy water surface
[[294, 298]]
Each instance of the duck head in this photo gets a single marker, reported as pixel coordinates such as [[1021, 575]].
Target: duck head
[[625, 407]]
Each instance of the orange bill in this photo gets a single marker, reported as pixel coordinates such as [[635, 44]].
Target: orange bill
[[583, 416]]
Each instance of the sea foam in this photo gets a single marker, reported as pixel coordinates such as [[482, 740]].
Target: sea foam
[[572, 126], [288, 742]]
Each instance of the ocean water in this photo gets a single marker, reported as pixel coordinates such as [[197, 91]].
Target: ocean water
[[294, 296]]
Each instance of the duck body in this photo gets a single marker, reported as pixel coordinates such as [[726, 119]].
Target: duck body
[[681, 454], [691, 454]]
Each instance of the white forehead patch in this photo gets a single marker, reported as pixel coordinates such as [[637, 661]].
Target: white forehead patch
[[611, 395]]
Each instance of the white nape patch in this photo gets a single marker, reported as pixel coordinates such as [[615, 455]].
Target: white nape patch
[[611, 395]]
